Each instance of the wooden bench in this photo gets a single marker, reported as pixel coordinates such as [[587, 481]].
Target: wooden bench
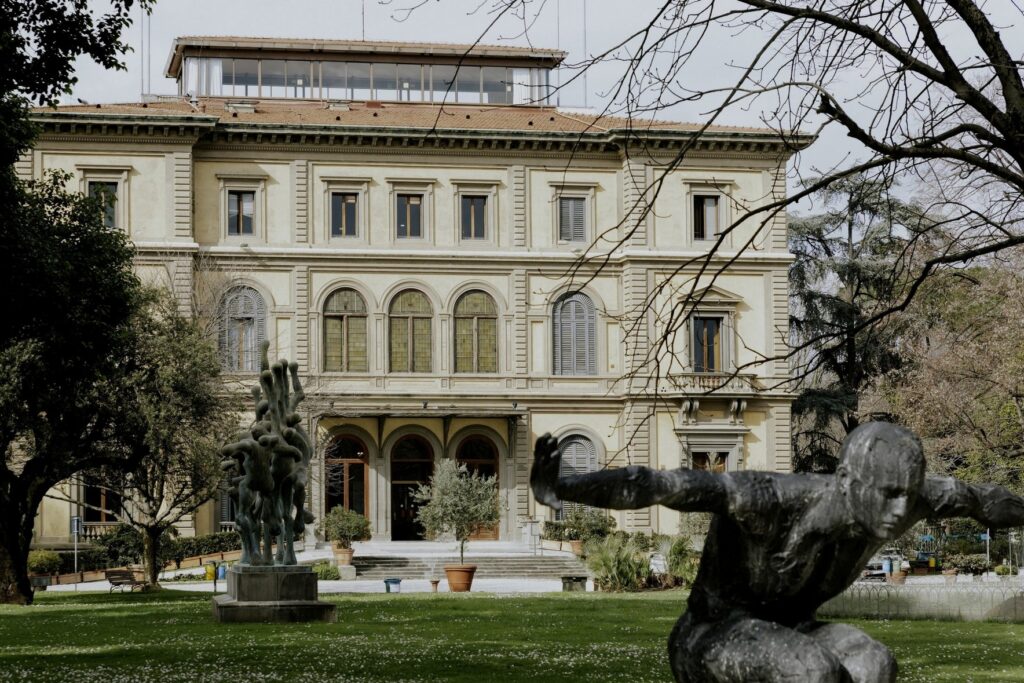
[[119, 578]]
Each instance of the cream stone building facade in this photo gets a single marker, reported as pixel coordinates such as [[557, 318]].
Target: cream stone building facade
[[400, 219]]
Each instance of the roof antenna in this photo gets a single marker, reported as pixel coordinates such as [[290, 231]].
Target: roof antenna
[[142, 52], [558, 46], [586, 56], [364, 20]]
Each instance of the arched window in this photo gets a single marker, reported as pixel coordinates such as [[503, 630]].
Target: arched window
[[476, 333], [345, 332], [480, 456], [243, 324], [346, 466], [575, 330], [579, 456], [409, 325]]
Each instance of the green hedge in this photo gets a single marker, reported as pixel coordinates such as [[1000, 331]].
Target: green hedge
[[222, 542]]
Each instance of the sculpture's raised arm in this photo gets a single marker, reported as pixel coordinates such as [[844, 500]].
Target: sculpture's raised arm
[[626, 488], [991, 504]]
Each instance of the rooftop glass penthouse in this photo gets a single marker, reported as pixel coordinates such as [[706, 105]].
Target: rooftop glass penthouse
[[361, 70]]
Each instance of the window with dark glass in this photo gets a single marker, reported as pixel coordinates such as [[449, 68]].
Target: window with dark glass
[[476, 333], [334, 81], [572, 219], [409, 323], [345, 348], [409, 214], [241, 207], [106, 192], [347, 474], [99, 503], [247, 77], [707, 344], [343, 214], [273, 81], [705, 216], [474, 217], [496, 85], [359, 81]]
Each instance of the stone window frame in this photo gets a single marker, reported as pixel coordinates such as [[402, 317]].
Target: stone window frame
[[244, 182], [713, 439], [112, 173], [714, 304], [420, 186], [585, 191], [724, 189], [476, 188], [357, 186]]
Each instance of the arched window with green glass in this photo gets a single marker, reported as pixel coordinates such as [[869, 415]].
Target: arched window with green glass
[[476, 333], [345, 342], [410, 325]]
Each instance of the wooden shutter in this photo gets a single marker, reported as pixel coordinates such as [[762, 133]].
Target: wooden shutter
[[579, 456], [575, 343], [572, 219], [242, 327]]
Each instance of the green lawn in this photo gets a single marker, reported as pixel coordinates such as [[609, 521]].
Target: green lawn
[[170, 636]]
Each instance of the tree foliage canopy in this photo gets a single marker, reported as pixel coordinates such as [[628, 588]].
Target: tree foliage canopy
[[457, 502]]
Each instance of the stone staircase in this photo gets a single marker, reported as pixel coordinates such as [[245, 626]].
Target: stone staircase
[[488, 566]]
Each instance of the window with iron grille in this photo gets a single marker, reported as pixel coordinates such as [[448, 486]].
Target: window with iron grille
[[345, 344], [242, 321], [476, 333], [575, 335], [409, 327]]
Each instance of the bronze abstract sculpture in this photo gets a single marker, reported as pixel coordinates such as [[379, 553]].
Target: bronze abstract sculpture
[[268, 469], [780, 545]]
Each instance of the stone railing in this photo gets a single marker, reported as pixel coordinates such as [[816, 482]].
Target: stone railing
[[227, 526], [93, 530], [700, 382], [978, 601]]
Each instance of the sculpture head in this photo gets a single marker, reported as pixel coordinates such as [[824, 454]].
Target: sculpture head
[[881, 471]]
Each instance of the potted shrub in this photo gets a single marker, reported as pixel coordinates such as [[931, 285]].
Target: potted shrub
[[457, 503], [42, 565], [341, 527]]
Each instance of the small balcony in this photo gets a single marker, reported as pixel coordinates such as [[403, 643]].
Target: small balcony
[[711, 382]]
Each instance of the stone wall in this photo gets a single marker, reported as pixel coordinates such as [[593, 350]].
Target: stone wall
[[996, 601]]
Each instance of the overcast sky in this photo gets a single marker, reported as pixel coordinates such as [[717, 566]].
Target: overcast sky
[[566, 24]]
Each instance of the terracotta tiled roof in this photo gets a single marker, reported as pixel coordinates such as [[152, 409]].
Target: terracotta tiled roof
[[468, 118]]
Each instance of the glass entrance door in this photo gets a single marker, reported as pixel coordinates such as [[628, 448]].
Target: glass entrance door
[[347, 474], [412, 463]]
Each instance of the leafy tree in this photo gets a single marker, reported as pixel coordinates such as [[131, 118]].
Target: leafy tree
[[65, 340], [848, 267], [963, 390], [173, 404], [458, 503], [69, 289]]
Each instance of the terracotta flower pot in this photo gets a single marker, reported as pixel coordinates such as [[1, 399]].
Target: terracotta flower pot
[[460, 577], [898, 578], [577, 548], [343, 555]]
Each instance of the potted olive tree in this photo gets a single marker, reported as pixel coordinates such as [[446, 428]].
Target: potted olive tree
[[457, 503], [341, 526]]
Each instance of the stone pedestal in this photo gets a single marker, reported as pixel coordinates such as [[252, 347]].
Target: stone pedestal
[[271, 594]]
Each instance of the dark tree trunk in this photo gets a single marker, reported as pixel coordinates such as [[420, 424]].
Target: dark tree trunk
[[15, 538], [150, 553]]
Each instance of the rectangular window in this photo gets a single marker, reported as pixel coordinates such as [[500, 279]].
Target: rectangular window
[[474, 217], [572, 219], [409, 216], [335, 82], [705, 216], [106, 192], [707, 344], [247, 77], [343, 214], [241, 206], [359, 81], [385, 82], [410, 82], [496, 85], [273, 81]]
